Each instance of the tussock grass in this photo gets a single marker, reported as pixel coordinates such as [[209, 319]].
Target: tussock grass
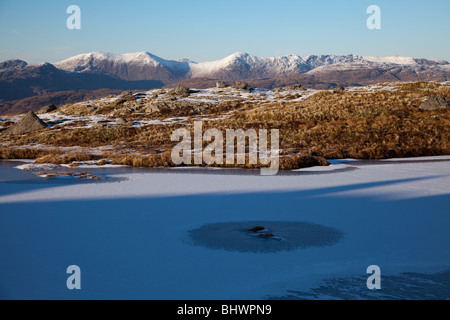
[[417, 86], [24, 153]]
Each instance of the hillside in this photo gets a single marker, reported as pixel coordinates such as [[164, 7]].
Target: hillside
[[372, 122]]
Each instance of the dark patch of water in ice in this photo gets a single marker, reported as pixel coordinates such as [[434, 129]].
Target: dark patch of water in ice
[[235, 236]]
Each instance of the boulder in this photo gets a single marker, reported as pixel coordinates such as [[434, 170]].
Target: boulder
[[154, 107], [257, 229], [91, 109], [180, 91], [140, 95], [29, 123], [241, 85], [125, 97], [339, 89], [121, 122], [435, 103], [294, 87], [47, 109], [125, 94], [221, 85]]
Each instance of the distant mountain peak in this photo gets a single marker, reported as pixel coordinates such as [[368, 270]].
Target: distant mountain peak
[[240, 54], [13, 64]]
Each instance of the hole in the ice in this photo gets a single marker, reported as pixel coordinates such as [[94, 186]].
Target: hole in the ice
[[264, 237]]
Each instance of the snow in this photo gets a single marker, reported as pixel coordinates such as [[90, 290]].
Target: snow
[[392, 60], [210, 67], [37, 167], [72, 63], [346, 66]]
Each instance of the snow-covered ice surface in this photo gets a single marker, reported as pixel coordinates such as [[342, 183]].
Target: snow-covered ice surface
[[132, 238]]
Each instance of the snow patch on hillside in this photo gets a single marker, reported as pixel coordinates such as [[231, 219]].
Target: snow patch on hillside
[[392, 60]]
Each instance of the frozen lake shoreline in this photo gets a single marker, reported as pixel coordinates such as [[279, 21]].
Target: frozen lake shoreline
[[131, 236]]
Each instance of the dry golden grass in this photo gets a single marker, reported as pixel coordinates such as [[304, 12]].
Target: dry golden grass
[[25, 153]]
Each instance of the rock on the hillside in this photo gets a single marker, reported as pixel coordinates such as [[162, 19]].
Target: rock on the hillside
[[152, 108], [179, 91], [91, 109], [339, 89], [221, 85], [47, 109], [241, 85], [125, 97], [140, 95], [435, 103], [126, 94], [294, 87], [29, 123], [121, 122], [177, 107]]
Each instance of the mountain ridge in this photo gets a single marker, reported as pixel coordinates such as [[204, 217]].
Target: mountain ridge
[[239, 65]]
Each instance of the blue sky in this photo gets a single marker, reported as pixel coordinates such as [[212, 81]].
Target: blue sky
[[203, 30]]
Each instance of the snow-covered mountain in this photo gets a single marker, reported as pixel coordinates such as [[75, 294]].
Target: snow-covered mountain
[[129, 66], [238, 66], [241, 65]]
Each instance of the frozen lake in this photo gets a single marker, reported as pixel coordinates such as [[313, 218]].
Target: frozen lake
[[183, 234]]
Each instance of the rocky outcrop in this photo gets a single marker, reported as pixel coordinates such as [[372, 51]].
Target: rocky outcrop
[[339, 89], [294, 87], [221, 85], [122, 122], [179, 91], [29, 123], [241, 85], [125, 97], [435, 103], [178, 107], [47, 109]]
